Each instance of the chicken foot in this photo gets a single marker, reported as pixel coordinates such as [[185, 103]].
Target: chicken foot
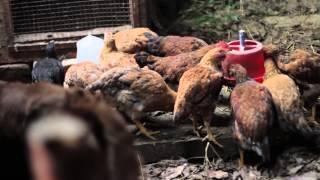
[[241, 160], [144, 131], [195, 127], [210, 135], [313, 118]]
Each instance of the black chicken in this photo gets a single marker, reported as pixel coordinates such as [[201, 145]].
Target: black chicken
[[49, 69]]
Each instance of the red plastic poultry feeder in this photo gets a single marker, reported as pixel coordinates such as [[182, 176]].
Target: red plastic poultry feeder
[[251, 58]]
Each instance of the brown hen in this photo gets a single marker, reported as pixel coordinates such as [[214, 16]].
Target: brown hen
[[199, 90], [303, 66], [136, 91], [174, 45], [110, 57], [253, 113], [82, 74], [171, 68], [310, 92], [133, 40], [287, 100]]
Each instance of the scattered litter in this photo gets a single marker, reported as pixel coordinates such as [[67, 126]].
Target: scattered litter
[[175, 172], [217, 174], [293, 164], [295, 169]]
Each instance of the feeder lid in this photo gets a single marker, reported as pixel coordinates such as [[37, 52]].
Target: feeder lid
[[89, 48]]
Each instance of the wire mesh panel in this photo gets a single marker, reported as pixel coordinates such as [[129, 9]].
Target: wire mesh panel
[[39, 16]]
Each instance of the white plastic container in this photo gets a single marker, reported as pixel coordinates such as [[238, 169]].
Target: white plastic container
[[89, 48]]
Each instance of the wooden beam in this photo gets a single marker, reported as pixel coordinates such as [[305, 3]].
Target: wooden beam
[[134, 11], [143, 12], [4, 30], [31, 47], [138, 10], [16, 73], [27, 53], [8, 20], [27, 38], [180, 142]]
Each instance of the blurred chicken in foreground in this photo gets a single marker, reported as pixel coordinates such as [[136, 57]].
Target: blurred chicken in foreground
[[253, 113], [64, 147], [135, 91], [98, 124], [199, 90]]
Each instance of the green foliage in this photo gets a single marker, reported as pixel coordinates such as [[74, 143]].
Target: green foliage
[[210, 19], [209, 13]]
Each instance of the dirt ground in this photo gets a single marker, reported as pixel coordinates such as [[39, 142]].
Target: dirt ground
[[293, 164]]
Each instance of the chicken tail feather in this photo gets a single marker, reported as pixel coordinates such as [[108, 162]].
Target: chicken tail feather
[[263, 150]]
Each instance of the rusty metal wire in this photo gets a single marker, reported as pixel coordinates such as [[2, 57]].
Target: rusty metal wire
[[39, 16]]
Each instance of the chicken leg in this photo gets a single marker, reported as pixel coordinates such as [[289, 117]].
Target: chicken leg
[[135, 117], [241, 160], [313, 118], [144, 131], [210, 135], [195, 127]]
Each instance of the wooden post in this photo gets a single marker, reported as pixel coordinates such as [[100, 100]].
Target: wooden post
[[5, 30], [138, 13]]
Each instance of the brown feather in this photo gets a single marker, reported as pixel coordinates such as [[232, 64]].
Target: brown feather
[[253, 113], [82, 74], [171, 68], [136, 89], [287, 100], [303, 66]]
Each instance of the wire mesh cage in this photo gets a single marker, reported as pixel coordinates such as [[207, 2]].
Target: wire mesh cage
[[40, 16]]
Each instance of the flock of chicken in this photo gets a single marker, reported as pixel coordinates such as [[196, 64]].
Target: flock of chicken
[[79, 132]]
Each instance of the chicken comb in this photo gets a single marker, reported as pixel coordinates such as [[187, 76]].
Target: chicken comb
[[223, 45]]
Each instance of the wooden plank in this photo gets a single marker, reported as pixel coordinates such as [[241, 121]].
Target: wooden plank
[[27, 38], [180, 142], [28, 48], [27, 53], [3, 54], [16, 73]]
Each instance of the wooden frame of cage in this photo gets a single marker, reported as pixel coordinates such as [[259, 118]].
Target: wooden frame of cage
[[26, 48]]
